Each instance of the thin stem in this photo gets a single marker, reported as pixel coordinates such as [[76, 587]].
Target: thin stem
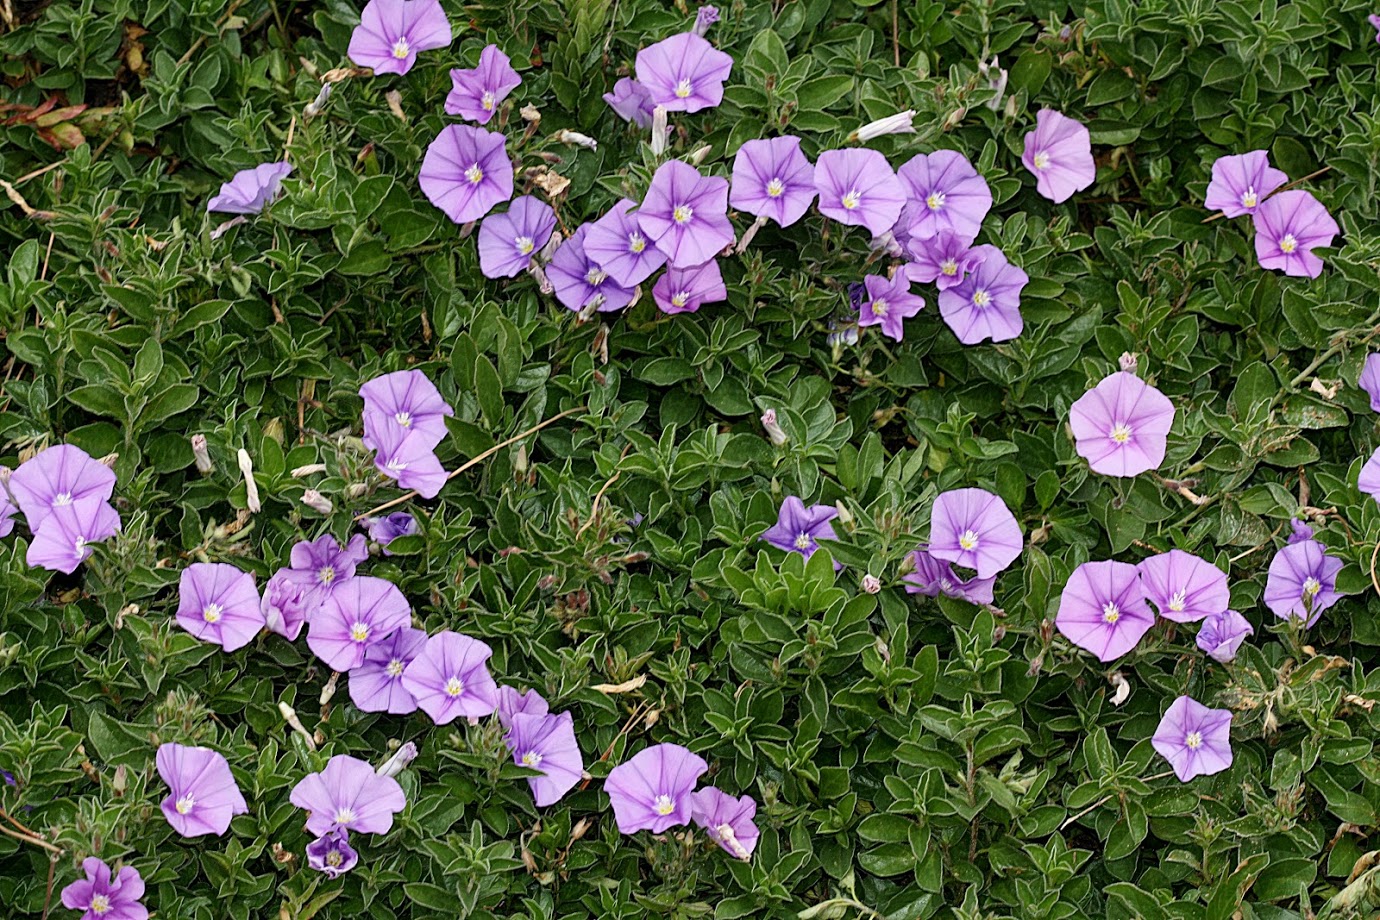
[[27, 839]]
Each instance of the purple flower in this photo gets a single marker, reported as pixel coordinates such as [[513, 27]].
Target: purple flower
[[857, 187], [546, 743], [386, 529], [362, 612], [1121, 426], [65, 538], [683, 73], [772, 179], [1299, 531], [685, 290], [288, 603], [477, 93], [931, 577], [7, 505], [727, 820], [686, 214], [332, 854], [580, 281], [410, 459], [405, 403], [945, 194], [1302, 582], [621, 247], [511, 702], [1059, 154], [1374, 21], [376, 684], [1183, 587], [348, 795], [1240, 183], [1222, 634], [1103, 609], [324, 564], [1369, 480], [1194, 739], [705, 17], [466, 171], [218, 603], [1287, 227], [391, 32], [204, 796], [450, 678], [631, 101], [59, 475], [250, 190], [987, 303], [101, 897], [889, 304], [507, 241], [652, 790], [797, 527], [943, 259], [974, 528], [1370, 380]]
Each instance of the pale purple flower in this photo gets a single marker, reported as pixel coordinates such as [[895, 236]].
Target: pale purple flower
[[7, 506], [406, 403], [101, 897], [348, 795], [945, 194], [1302, 582], [797, 528], [686, 214], [1299, 531], [631, 101], [944, 259], [68, 534], [512, 701], [1370, 380], [580, 281], [466, 171], [621, 247], [987, 303], [1059, 154], [203, 796], [386, 529], [1121, 426], [288, 603], [858, 187], [360, 613], [507, 241], [1103, 609], [974, 528], [450, 678], [1374, 21], [1369, 480], [651, 791], [391, 32], [889, 303], [376, 684], [772, 179], [1194, 739], [324, 564], [1183, 587], [1240, 183], [477, 93], [250, 190], [1222, 634], [57, 476], [332, 854], [685, 290], [705, 17], [683, 73], [727, 820], [218, 603], [546, 743], [1288, 225], [931, 577], [410, 459]]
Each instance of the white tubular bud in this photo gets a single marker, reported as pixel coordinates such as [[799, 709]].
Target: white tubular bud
[[398, 761], [566, 136], [201, 455], [661, 131], [251, 487], [900, 123], [317, 502]]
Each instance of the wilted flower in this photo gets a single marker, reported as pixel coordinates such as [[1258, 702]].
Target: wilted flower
[[685, 290], [987, 303], [797, 527], [931, 577], [631, 101], [476, 94], [1370, 380], [348, 795], [858, 187], [1183, 587], [546, 743], [1288, 225], [1240, 183], [871, 584], [102, 897], [889, 304], [621, 248], [686, 214], [900, 123], [580, 281], [386, 529], [512, 701], [775, 433], [1121, 426], [1194, 739], [218, 603], [57, 476], [391, 32], [450, 678], [727, 820], [684, 73], [1059, 154], [332, 854], [362, 612], [1302, 582], [974, 528], [772, 179], [204, 796], [250, 190], [68, 534], [376, 684], [288, 602], [944, 259], [1222, 634], [466, 171], [651, 791], [507, 241], [944, 193], [1103, 609]]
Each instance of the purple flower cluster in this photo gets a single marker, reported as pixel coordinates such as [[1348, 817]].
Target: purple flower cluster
[[543, 741], [64, 496], [404, 420], [1289, 225]]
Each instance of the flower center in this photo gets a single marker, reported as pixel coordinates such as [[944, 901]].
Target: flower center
[[1120, 433], [326, 574], [454, 687], [525, 245], [62, 498], [394, 668], [211, 613], [683, 89], [359, 632], [184, 804], [1110, 612], [981, 298], [637, 243], [595, 277], [682, 213], [680, 299], [334, 859], [802, 541], [1288, 244], [79, 545], [935, 201], [949, 267], [852, 199], [531, 759], [488, 102], [775, 188], [1177, 602], [1311, 586], [1194, 740], [969, 540], [345, 816], [403, 418], [1041, 160], [664, 805], [879, 307], [396, 465], [401, 49], [474, 174], [1249, 197], [100, 904]]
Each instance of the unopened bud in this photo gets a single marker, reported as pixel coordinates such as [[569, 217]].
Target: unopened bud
[[1128, 362], [845, 516], [705, 17], [120, 781], [399, 761], [661, 131], [888, 244], [700, 154], [310, 469], [109, 460], [251, 496], [1123, 688], [355, 490], [551, 246], [315, 107], [394, 100], [530, 114], [566, 136], [520, 460], [290, 717], [580, 829], [543, 283], [328, 691], [996, 81], [871, 584], [955, 118], [775, 433], [201, 455], [900, 123], [317, 502]]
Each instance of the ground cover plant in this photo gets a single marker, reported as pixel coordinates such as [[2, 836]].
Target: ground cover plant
[[612, 458]]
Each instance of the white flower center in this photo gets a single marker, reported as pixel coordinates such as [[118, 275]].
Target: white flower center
[[474, 174], [211, 613], [396, 465], [487, 102], [359, 632], [969, 540], [1311, 586], [345, 816], [879, 307], [394, 668], [326, 574], [454, 687], [682, 213], [949, 267], [531, 759], [1041, 160], [184, 804], [981, 298], [637, 243], [776, 188], [1110, 612], [935, 201], [1178, 602], [595, 277], [802, 541], [852, 199], [401, 49], [79, 545], [664, 805], [683, 89], [1194, 740], [403, 418], [680, 299], [100, 904], [1249, 197], [1288, 244], [525, 245], [62, 498], [1120, 433]]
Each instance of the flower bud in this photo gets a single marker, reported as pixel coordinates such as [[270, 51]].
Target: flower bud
[[1128, 362], [250, 486], [318, 104], [530, 114], [566, 136], [109, 460], [705, 17], [1123, 688], [775, 432], [661, 132], [700, 154], [317, 502], [871, 584], [900, 123], [955, 118], [311, 468], [201, 455], [398, 761], [996, 81]]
